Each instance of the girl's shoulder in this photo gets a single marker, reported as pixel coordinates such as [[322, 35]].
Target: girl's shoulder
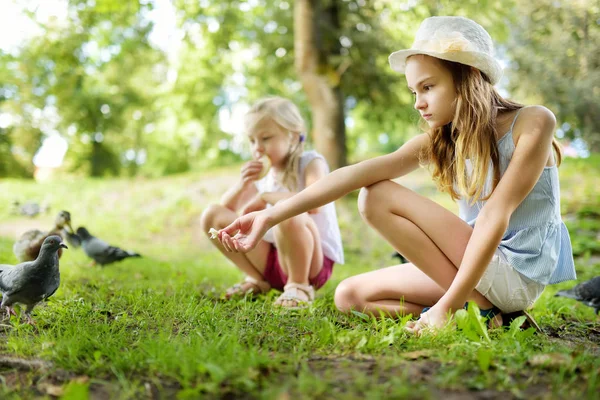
[[310, 155], [315, 160], [533, 118]]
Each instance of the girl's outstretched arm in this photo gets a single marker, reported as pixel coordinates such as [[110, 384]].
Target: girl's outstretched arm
[[251, 227], [534, 132]]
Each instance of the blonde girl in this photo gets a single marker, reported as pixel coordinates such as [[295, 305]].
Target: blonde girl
[[498, 159], [298, 254]]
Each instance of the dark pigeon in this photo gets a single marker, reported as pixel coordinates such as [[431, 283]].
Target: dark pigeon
[[30, 282], [100, 251], [586, 292]]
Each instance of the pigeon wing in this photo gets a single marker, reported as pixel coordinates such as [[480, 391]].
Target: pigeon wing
[[12, 277], [95, 247], [113, 253]]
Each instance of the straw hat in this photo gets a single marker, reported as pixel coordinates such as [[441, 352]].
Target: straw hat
[[455, 39]]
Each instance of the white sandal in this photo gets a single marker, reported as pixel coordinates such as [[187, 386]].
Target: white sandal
[[290, 293], [259, 287]]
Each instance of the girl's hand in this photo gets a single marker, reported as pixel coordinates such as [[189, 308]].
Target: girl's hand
[[250, 172], [435, 318], [248, 230], [256, 204]]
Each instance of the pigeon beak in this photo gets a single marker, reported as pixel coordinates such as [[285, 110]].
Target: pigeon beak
[[64, 246]]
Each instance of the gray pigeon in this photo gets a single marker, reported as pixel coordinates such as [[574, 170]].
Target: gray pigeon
[[30, 282], [586, 292], [30, 209], [100, 251]]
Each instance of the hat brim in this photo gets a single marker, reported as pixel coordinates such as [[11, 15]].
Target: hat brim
[[483, 62]]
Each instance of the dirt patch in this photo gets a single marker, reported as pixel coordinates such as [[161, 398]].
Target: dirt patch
[[574, 337], [32, 378], [342, 370]]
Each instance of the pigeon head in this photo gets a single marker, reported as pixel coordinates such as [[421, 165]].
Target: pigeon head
[[83, 233], [64, 219], [52, 244]]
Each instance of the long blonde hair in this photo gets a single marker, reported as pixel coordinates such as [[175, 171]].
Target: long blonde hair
[[285, 114], [472, 135]]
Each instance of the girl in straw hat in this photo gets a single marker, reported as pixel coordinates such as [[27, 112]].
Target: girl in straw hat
[[496, 158]]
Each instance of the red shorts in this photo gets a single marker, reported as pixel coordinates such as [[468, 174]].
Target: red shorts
[[277, 278]]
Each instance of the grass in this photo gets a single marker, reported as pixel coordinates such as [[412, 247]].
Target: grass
[[156, 326]]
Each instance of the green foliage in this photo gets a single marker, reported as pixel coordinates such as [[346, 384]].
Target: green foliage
[[84, 80], [128, 108], [555, 47]]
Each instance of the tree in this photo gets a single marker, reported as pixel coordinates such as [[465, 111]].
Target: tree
[[315, 41], [556, 61], [85, 78]]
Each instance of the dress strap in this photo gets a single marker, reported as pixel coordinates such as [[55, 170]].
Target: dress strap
[[515, 119]]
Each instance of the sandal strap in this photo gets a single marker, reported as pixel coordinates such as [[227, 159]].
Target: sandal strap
[[263, 286], [307, 289]]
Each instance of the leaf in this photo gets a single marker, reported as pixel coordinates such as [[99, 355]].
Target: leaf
[[477, 321], [214, 371], [462, 319], [515, 325], [484, 358], [363, 341], [361, 315], [388, 339], [464, 323], [77, 389]]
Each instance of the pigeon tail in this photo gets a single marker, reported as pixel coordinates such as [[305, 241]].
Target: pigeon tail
[[570, 293], [113, 254]]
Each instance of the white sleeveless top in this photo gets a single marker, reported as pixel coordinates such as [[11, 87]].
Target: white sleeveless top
[[325, 219]]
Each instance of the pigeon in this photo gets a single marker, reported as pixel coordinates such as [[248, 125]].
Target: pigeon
[[100, 251], [586, 292], [27, 247], [30, 209], [30, 282]]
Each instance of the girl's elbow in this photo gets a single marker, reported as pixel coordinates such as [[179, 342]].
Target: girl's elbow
[[499, 218]]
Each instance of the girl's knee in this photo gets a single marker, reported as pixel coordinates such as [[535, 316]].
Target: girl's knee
[[291, 224], [209, 215], [346, 297], [371, 198]]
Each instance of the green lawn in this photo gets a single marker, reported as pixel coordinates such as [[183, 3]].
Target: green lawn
[[156, 327]]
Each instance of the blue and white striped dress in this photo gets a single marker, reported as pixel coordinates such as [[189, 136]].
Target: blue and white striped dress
[[536, 242]]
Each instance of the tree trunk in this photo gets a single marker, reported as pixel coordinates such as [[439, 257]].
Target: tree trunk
[[96, 159], [320, 80]]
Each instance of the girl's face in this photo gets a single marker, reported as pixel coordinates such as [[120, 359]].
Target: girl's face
[[267, 137], [433, 88]]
